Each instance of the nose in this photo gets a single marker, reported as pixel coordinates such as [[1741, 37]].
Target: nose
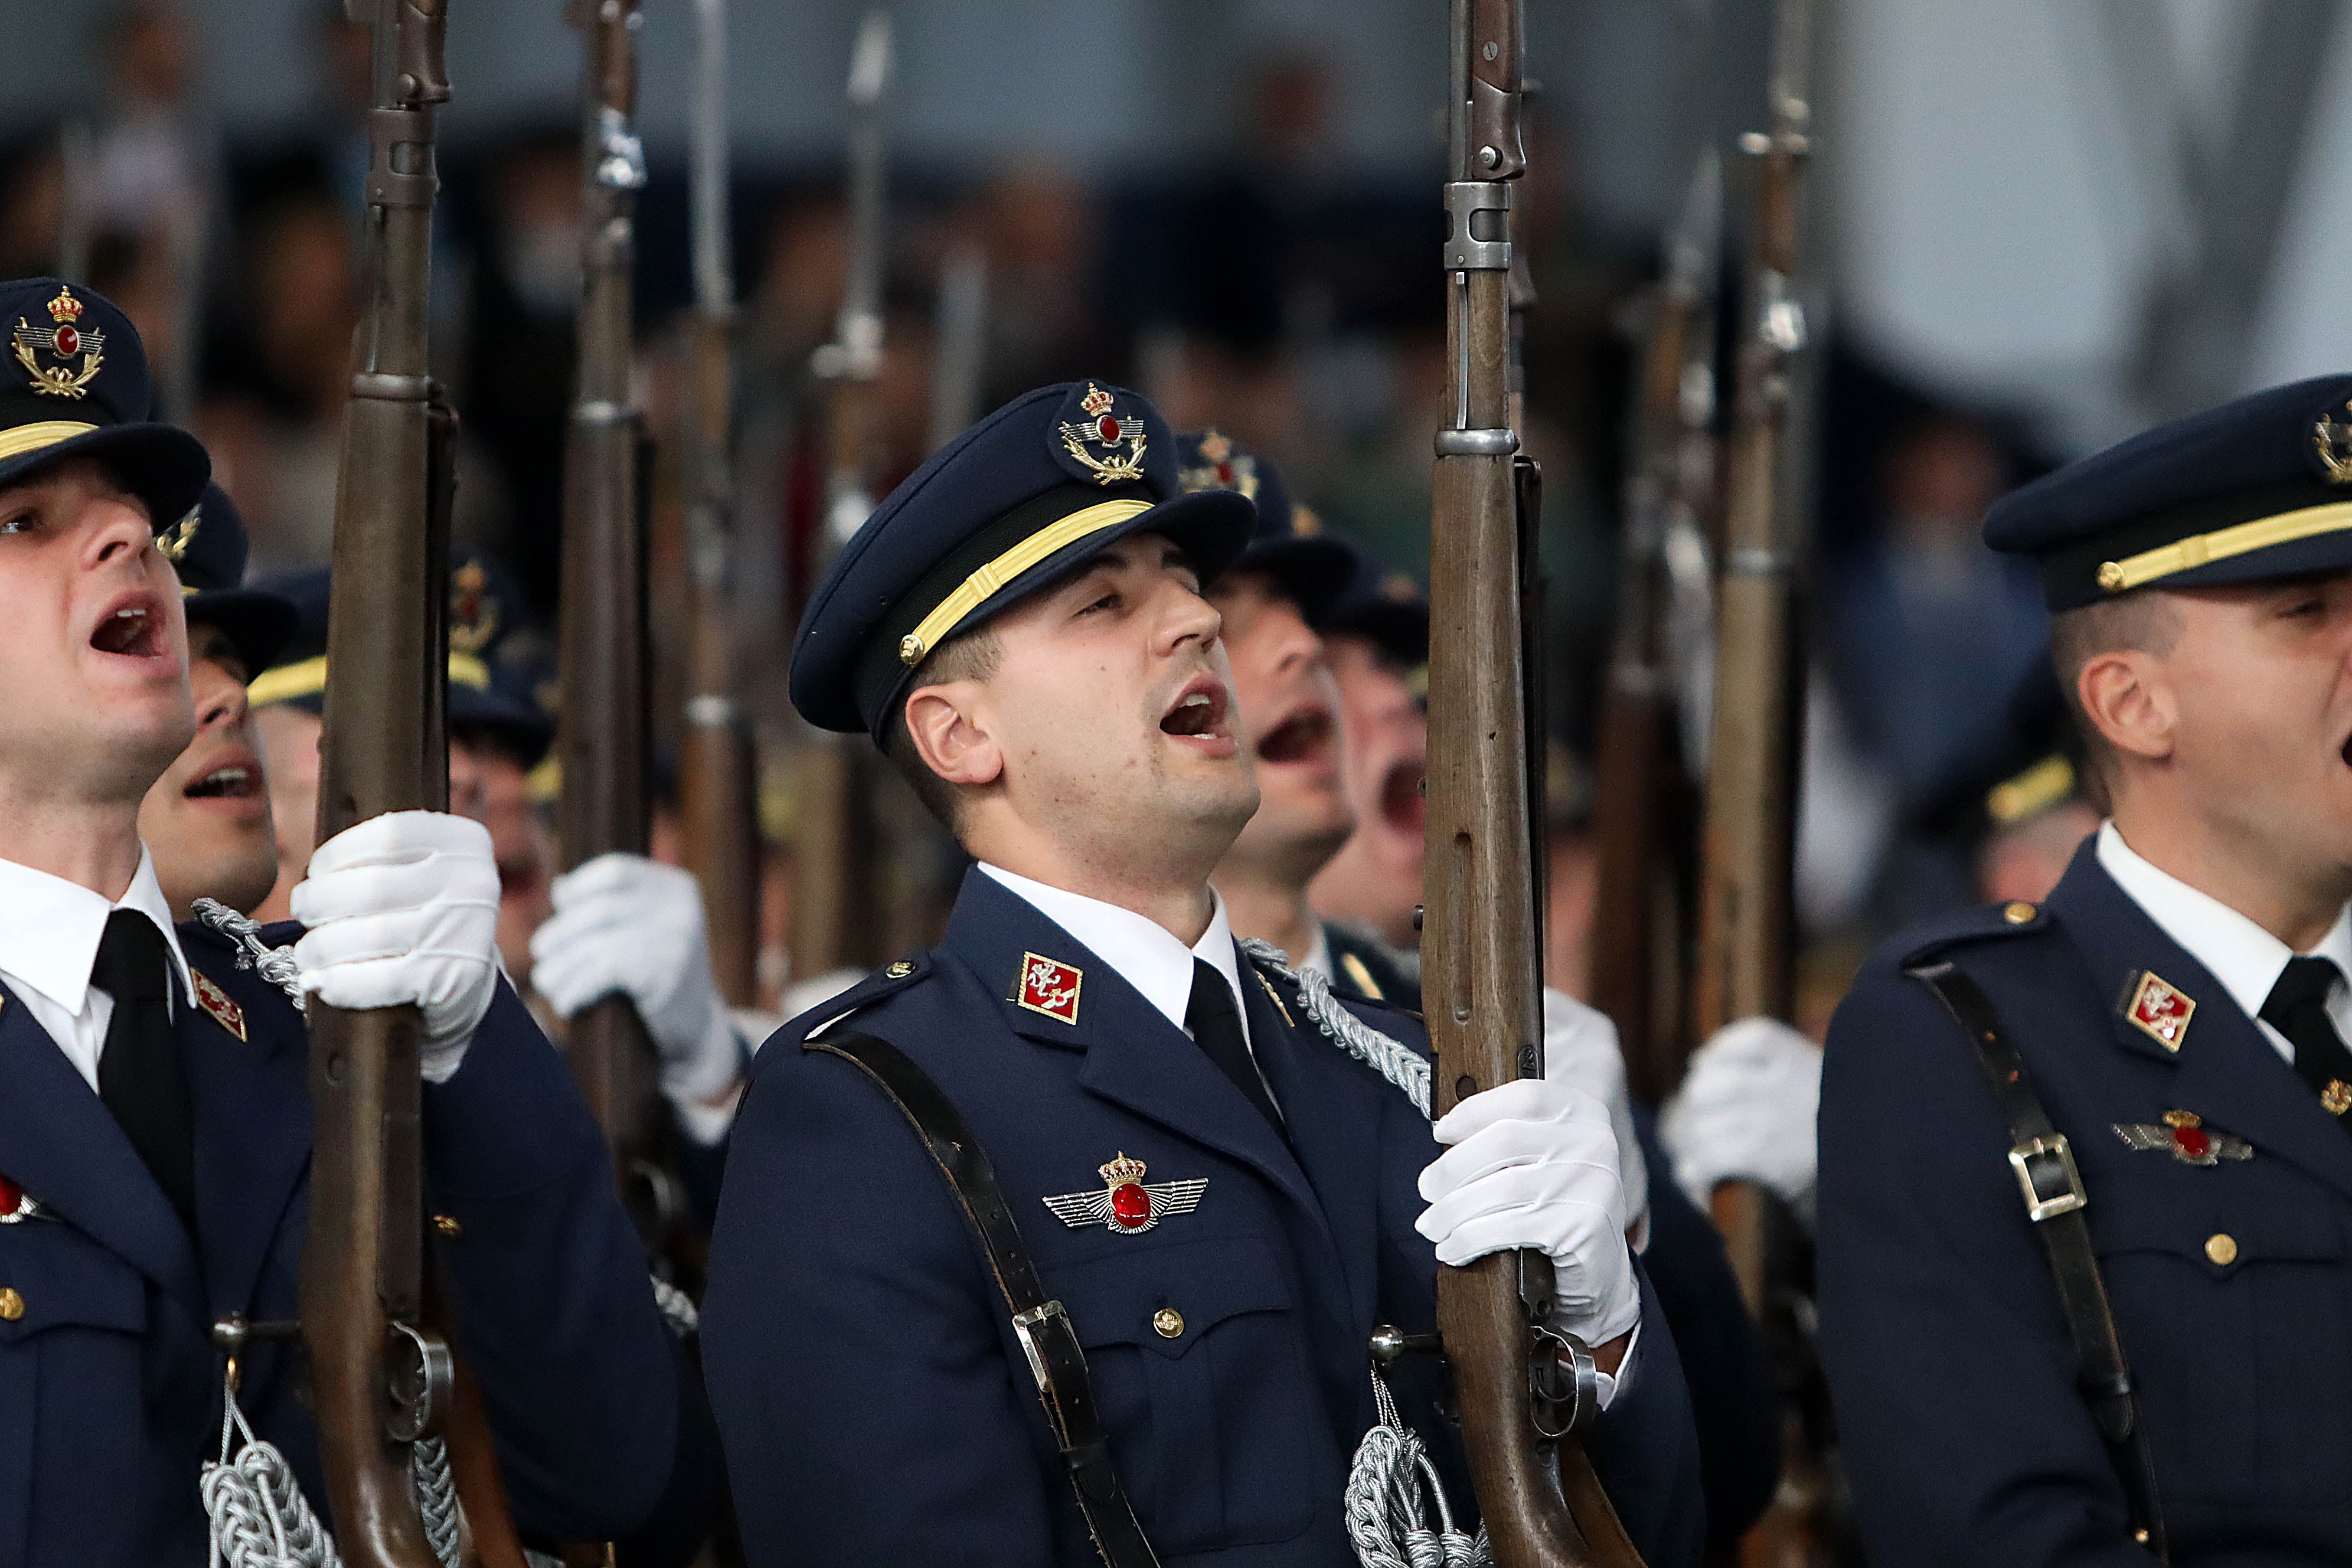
[[221, 700], [116, 527], [1189, 618]]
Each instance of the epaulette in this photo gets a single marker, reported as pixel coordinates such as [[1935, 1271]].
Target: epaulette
[[888, 980], [1982, 923]]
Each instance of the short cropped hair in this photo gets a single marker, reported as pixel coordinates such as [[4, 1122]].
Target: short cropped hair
[[2143, 621], [968, 656]]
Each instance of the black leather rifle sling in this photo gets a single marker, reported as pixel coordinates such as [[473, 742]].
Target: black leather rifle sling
[[2054, 1201], [1043, 1327]]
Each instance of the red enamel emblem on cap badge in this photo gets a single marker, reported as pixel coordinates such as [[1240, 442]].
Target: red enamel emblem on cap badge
[[2160, 1011], [1124, 1203], [1048, 986], [1121, 437], [63, 340]]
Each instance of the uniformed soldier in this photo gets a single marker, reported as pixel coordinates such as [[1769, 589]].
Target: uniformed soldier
[[618, 924], [206, 821], [1292, 584], [2085, 1177], [1219, 1203], [154, 1128]]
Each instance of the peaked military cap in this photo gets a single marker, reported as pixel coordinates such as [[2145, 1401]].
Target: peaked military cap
[[2258, 487], [1386, 605], [484, 605], [1289, 543], [75, 384], [208, 547], [1010, 507]]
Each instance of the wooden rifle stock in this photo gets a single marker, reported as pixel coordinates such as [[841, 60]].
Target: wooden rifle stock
[[717, 775], [1541, 1506], [382, 1370], [602, 737]]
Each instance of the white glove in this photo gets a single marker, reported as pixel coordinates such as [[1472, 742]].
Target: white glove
[[633, 926], [1745, 1110], [1533, 1164], [404, 908], [1580, 1046]]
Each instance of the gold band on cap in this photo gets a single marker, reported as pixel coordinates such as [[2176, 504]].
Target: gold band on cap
[[975, 590], [308, 678], [27, 438], [2197, 549]]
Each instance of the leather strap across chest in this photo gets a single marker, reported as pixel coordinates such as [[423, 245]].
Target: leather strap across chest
[[2054, 1201], [1056, 1359]]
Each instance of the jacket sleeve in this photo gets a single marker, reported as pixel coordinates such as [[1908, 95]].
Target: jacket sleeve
[[867, 1406], [1949, 1360], [587, 1398]]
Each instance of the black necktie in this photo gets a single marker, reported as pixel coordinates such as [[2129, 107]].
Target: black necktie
[[139, 1073], [2297, 1008], [1216, 1028]]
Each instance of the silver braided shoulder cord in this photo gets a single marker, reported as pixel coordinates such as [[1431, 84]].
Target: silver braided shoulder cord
[[436, 1496], [259, 1518], [1390, 1474], [276, 963]]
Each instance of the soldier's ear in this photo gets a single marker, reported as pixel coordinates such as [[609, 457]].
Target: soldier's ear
[[942, 727], [2125, 697]]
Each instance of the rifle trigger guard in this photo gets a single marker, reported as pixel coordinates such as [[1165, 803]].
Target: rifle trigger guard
[[1561, 1375], [420, 1375]]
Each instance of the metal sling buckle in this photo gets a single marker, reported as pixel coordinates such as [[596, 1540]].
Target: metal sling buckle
[[1023, 1324], [2038, 1207]]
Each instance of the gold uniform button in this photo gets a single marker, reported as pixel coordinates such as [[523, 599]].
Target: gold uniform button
[[899, 970], [2221, 1247], [2018, 913], [12, 1306], [447, 1224], [1168, 1320]]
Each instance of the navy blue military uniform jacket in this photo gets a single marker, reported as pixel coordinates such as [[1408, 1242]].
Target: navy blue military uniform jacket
[[875, 1405], [109, 1384], [1949, 1360]]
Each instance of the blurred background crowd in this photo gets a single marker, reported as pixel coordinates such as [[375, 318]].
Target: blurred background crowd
[[1232, 206]]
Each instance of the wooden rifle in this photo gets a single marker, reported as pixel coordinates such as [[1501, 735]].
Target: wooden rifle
[[717, 772], [1640, 812], [837, 917], [1537, 1492], [602, 737], [383, 1373], [1745, 967]]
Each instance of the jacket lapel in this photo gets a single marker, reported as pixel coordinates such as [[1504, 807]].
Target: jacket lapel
[[1135, 1058], [253, 1140], [59, 1143], [1332, 1108], [2228, 1072]]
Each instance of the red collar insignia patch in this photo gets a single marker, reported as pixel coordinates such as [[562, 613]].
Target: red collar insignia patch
[[1125, 1203], [1049, 987], [2160, 1011], [217, 1005], [2187, 1138]]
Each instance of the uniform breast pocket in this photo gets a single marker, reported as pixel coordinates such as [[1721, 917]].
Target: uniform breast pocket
[[72, 1316], [1201, 1368], [2236, 1322]]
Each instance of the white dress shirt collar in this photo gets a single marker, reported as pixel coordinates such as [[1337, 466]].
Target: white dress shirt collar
[[1319, 954], [1143, 952], [49, 940], [2246, 959]]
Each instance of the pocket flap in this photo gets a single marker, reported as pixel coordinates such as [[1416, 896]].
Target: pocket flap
[[61, 1276], [1167, 1295], [2219, 1238]]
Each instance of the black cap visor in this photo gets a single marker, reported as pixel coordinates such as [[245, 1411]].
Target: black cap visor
[[162, 465], [1312, 570], [259, 625], [1211, 527]]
